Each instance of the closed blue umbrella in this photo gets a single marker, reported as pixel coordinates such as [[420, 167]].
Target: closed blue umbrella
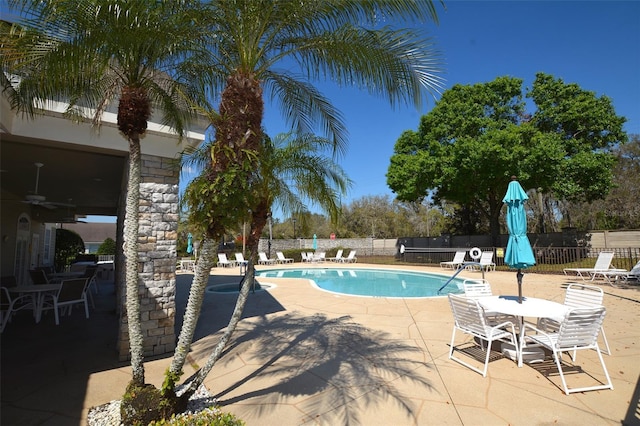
[[519, 254], [315, 242], [189, 243]]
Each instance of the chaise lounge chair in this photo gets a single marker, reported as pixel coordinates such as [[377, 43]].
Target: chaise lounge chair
[[613, 276], [603, 264], [457, 261]]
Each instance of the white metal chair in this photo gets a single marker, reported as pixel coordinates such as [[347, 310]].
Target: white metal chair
[[578, 296], [71, 292], [282, 259], [469, 318], [224, 262], [264, 260], [578, 331], [456, 263], [10, 305]]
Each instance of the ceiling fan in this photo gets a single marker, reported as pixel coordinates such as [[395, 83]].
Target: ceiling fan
[[36, 199], [70, 218]]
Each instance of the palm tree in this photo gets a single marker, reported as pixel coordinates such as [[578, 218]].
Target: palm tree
[[253, 38], [89, 53], [293, 171]]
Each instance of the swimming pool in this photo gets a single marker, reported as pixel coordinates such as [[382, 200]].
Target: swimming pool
[[371, 282]]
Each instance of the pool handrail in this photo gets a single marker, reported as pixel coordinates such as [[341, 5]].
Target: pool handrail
[[462, 268]]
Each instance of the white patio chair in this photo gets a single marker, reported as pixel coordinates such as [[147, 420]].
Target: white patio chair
[[613, 276], [10, 305], [456, 263], [337, 258], [485, 263], [469, 318], [71, 292], [224, 262], [264, 260], [578, 296], [351, 258], [603, 264], [240, 260], [475, 288], [578, 331], [282, 259]]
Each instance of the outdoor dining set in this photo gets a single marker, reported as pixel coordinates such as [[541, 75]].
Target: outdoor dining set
[[576, 324], [49, 290]]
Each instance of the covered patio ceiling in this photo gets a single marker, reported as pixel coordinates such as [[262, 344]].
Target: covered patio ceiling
[[90, 180]]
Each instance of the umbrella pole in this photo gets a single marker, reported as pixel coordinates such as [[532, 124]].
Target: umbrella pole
[[519, 276]]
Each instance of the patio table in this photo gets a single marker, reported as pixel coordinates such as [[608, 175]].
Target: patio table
[[38, 293], [530, 307]]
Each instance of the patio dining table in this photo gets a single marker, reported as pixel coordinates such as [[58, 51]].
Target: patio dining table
[[38, 293], [530, 307]]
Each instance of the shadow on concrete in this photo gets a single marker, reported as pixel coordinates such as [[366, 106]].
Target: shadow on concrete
[[337, 366], [46, 368]]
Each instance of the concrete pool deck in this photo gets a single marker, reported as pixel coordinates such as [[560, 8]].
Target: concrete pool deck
[[302, 356]]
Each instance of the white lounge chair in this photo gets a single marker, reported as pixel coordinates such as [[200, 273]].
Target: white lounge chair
[[351, 258], [224, 262], [469, 318], [578, 331], [613, 276], [338, 257], [485, 262], [240, 260], [264, 260], [603, 264], [456, 263], [578, 296], [282, 259]]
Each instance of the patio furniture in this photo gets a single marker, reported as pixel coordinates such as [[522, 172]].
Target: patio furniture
[[10, 305], [578, 331], [475, 288], [224, 262], [469, 318], [603, 264], [72, 292], [282, 259], [264, 260], [530, 307], [456, 263], [614, 276], [337, 258], [240, 260], [351, 258], [38, 294], [577, 296]]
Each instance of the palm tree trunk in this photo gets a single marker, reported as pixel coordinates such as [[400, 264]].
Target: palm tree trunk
[[258, 222], [204, 263], [197, 379], [136, 338]]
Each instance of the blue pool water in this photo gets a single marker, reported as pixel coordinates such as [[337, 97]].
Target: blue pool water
[[371, 282]]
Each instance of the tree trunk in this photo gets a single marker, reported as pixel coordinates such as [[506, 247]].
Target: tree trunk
[[136, 338], [204, 263]]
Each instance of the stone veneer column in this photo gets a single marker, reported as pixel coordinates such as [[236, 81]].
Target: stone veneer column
[[157, 239]]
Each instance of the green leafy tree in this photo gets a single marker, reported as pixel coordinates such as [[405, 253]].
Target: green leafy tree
[[108, 247], [477, 136], [69, 244]]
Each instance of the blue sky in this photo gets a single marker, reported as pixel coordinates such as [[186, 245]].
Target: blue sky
[[591, 43]]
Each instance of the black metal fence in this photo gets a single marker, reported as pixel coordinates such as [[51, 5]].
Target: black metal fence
[[548, 259]]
